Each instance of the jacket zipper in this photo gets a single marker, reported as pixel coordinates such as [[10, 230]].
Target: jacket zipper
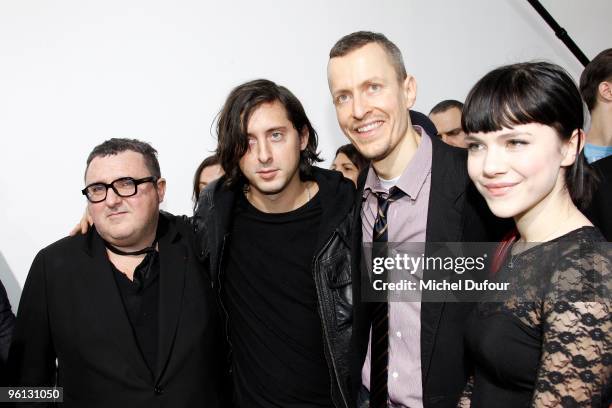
[[220, 295], [321, 314]]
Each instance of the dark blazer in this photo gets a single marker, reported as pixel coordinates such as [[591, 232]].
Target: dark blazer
[[422, 120], [71, 309], [7, 321], [456, 213], [600, 209]]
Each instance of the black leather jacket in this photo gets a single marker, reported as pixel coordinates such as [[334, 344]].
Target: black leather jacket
[[331, 265]]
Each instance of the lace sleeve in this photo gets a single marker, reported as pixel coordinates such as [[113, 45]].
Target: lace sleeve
[[576, 362], [466, 397]]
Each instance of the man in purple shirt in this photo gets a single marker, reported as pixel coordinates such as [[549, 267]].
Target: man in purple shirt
[[372, 94]]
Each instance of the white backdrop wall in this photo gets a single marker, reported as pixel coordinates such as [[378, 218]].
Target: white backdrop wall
[[74, 73]]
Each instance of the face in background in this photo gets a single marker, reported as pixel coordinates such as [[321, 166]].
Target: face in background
[[272, 160], [520, 169], [209, 174], [371, 102], [125, 221], [448, 124], [345, 166]]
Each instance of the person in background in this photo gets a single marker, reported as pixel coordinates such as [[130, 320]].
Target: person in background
[[546, 342], [349, 162], [7, 322], [596, 90], [446, 116], [600, 209], [208, 171], [420, 119]]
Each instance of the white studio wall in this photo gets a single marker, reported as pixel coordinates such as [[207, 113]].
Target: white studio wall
[[74, 73]]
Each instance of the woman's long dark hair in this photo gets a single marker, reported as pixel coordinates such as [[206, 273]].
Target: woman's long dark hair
[[234, 118], [532, 92]]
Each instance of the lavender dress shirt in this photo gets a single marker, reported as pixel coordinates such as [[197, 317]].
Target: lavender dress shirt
[[407, 222]]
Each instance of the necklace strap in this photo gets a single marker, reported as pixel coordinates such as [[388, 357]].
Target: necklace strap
[[149, 249]]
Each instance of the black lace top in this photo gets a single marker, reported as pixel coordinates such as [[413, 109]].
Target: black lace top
[[547, 341]]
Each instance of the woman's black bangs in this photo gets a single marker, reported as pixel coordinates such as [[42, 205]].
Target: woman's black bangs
[[499, 100]]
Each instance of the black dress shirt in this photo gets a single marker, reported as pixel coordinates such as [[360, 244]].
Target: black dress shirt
[[141, 301]]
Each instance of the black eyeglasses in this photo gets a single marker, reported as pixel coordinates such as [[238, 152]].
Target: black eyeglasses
[[123, 187]]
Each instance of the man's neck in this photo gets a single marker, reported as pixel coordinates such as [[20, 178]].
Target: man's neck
[[125, 264], [128, 263], [396, 162], [145, 239], [600, 133], [293, 196]]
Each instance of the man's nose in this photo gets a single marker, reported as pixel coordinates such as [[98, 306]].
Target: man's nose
[[361, 106], [264, 152], [112, 198]]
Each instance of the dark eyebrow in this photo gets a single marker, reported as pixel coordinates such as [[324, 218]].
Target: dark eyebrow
[[507, 135], [274, 129], [512, 134], [471, 138]]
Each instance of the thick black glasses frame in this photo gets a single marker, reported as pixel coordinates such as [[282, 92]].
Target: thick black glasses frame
[[136, 182]]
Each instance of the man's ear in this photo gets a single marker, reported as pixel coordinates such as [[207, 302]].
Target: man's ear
[[161, 189], [409, 88], [304, 136], [573, 147], [605, 91]]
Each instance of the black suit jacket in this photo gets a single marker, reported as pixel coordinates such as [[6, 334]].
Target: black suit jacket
[[600, 209], [71, 309], [456, 213], [7, 321], [422, 120]]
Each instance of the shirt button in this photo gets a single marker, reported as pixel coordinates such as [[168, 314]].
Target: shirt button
[[395, 374], [399, 334], [158, 390]]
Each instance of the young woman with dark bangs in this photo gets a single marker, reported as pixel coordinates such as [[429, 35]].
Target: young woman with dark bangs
[[547, 341]]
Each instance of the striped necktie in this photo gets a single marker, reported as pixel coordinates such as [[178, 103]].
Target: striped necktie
[[379, 356]]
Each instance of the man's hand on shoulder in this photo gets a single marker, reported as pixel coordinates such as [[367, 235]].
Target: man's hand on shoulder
[[83, 225]]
